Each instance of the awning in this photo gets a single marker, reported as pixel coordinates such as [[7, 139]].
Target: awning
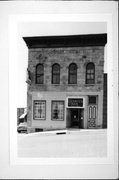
[[23, 116]]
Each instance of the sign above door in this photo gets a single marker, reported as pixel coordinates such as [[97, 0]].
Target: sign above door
[[75, 102]]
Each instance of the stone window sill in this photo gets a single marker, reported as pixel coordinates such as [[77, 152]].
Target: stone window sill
[[90, 84]]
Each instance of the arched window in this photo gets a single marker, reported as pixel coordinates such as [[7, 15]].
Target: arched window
[[39, 74], [90, 73], [72, 79], [55, 74]]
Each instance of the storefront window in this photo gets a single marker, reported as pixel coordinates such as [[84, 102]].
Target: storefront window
[[39, 110], [58, 110]]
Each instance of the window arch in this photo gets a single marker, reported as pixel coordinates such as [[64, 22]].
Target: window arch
[[56, 74], [90, 73], [40, 74], [72, 79]]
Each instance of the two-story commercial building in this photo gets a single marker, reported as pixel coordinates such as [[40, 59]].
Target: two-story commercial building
[[66, 82]]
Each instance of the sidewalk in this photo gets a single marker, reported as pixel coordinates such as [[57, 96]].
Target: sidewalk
[[64, 143]]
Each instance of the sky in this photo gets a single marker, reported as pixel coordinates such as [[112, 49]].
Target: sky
[[28, 29]]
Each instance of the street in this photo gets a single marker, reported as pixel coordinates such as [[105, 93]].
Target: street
[[81, 143]]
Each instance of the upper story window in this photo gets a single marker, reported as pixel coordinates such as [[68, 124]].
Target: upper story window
[[90, 73], [72, 79], [39, 74], [55, 74]]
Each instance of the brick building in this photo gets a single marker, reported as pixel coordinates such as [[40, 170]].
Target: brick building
[[66, 82]]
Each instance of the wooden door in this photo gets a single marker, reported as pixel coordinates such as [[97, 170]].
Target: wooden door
[[92, 116]]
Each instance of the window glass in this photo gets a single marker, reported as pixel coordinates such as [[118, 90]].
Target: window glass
[[92, 100], [58, 110], [39, 74], [39, 110], [72, 74], [94, 112], [90, 73], [56, 74]]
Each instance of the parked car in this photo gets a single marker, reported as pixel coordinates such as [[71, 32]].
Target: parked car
[[22, 128]]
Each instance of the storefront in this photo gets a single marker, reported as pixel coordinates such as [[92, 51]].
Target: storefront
[[61, 110]]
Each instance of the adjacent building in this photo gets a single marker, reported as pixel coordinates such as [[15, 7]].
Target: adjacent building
[[66, 82], [21, 115]]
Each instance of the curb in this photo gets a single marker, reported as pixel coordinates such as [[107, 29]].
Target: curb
[[49, 132], [64, 132]]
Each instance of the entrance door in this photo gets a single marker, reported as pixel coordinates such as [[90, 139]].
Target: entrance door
[[92, 115], [74, 118], [77, 118]]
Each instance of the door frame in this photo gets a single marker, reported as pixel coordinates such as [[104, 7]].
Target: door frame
[[69, 121]]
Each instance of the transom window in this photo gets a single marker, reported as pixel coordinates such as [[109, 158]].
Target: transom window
[[39, 74], [58, 110], [72, 79], [91, 100], [39, 110], [90, 73], [55, 74]]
